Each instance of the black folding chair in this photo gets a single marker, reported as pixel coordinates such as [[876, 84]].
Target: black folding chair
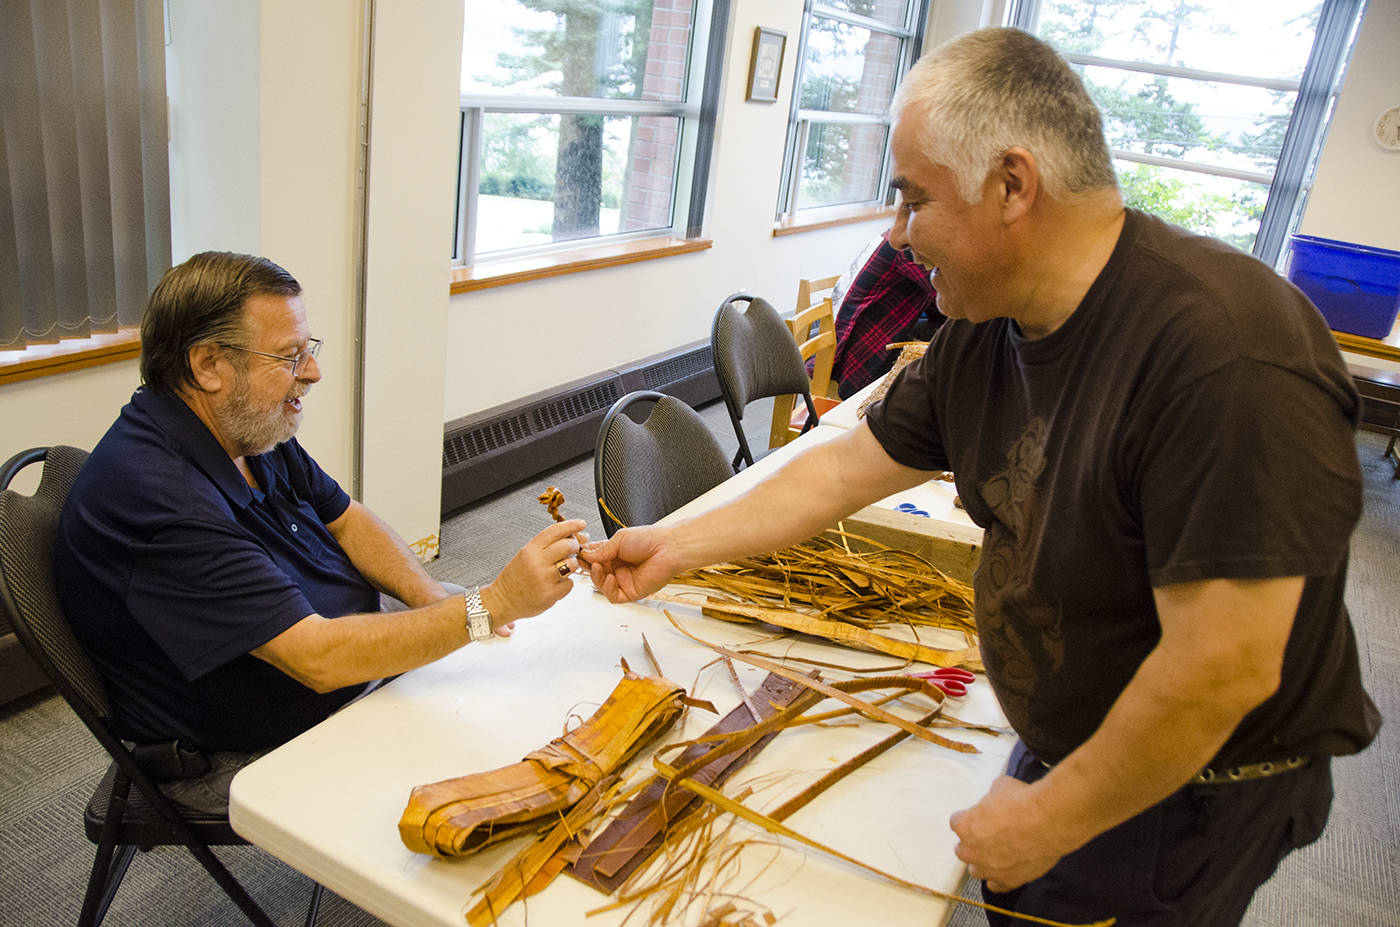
[[645, 470], [119, 819], [755, 357]]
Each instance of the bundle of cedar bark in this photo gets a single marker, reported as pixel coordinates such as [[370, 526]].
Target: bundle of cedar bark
[[824, 588]]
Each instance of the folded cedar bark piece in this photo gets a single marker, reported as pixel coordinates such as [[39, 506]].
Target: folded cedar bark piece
[[636, 834], [459, 816]]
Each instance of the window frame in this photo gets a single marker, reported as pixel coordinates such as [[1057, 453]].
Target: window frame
[[911, 36], [1317, 90], [695, 114]]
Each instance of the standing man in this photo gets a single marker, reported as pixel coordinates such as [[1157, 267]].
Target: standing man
[[226, 588], [1156, 433]]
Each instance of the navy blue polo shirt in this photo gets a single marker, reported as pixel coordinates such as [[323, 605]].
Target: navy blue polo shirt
[[171, 568]]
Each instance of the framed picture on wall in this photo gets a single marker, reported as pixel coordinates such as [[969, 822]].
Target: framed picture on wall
[[767, 64]]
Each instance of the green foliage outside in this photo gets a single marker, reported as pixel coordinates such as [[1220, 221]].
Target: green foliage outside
[[1142, 115], [823, 163], [578, 163], [513, 163], [1150, 189], [572, 160]]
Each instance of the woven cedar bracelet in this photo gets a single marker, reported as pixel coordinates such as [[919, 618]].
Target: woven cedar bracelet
[[459, 816]]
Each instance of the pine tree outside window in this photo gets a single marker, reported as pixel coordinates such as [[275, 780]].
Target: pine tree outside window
[[583, 120]]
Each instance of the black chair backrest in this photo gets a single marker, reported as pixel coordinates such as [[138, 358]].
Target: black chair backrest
[[643, 472], [28, 525], [755, 357]]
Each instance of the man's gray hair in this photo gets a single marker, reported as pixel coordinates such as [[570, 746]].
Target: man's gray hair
[[992, 89]]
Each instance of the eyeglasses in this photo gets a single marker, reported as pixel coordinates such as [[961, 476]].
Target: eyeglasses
[[298, 360]]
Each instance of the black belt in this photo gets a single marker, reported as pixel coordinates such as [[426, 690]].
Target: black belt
[[1252, 771], [1230, 774]]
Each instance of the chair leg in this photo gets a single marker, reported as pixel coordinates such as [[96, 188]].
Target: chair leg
[[315, 906], [1391, 455], [229, 884], [107, 873]]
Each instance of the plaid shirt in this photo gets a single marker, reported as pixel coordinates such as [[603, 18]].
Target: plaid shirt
[[884, 301]]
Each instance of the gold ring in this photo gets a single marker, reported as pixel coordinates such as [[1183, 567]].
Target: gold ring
[[563, 567]]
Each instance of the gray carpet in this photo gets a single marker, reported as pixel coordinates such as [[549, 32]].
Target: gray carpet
[[1351, 877]]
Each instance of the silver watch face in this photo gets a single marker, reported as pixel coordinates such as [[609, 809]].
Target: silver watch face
[[478, 618], [478, 625]]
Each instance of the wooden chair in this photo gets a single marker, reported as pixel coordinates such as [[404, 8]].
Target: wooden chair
[[813, 327]]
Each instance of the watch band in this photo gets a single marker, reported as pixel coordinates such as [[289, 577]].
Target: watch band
[[478, 618]]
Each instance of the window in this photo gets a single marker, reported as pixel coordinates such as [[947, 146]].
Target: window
[[584, 120], [1214, 112], [851, 57]]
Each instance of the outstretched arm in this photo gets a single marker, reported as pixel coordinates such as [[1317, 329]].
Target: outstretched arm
[[327, 654], [809, 494]]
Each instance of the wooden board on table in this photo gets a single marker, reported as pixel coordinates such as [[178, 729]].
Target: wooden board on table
[[952, 548]]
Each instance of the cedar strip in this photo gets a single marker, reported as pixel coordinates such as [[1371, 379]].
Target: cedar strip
[[837, 692], [841, 632], [628, 842], [845, 633], [825, 579], [515, 876], [835, 775], [775, 827]]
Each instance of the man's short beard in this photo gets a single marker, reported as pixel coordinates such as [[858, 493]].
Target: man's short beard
[[252, 430]]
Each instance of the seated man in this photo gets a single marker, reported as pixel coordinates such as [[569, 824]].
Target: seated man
[[889, 299], [226, 587]]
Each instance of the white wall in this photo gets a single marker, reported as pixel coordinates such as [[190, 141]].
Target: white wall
[[307, 58], [214, 127], [71, 408], [1356, 193], [412, 176], [264, 100], [948, 19]]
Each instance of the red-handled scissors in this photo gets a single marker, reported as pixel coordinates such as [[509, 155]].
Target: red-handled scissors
[[952, 680]]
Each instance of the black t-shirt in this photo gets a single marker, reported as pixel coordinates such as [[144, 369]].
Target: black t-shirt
[[171, 568], [1191, 420]]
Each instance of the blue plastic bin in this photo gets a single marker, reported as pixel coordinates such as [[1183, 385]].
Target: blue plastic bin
[[1357, 288]]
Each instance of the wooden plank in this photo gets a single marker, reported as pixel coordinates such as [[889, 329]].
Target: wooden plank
[[954, 549]]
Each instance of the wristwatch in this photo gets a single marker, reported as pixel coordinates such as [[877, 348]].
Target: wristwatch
[[478, 618]]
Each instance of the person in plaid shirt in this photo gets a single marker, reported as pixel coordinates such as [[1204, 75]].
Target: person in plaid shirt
[[884, 304]]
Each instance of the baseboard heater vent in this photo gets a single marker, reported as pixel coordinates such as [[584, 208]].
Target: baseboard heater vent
[[475, 442], [488, 451]]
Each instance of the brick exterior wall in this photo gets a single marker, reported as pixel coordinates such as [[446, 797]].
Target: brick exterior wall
[[649, 183], [867, 143]]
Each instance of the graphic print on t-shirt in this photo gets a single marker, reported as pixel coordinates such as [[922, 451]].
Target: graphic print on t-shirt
[[1020, 634]]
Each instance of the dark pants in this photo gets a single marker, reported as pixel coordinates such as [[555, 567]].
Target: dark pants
[[1193, 859]]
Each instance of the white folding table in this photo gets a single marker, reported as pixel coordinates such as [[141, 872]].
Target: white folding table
[[328, 802]]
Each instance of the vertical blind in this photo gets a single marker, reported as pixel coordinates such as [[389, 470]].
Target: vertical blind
[[84, 167]]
